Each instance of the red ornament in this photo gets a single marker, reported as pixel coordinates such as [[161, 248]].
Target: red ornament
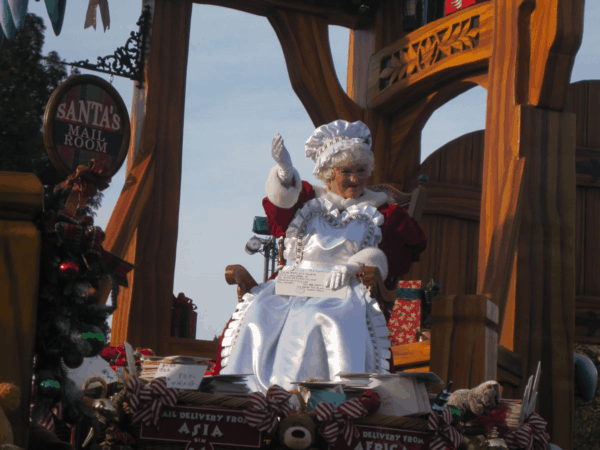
[[68, 270]]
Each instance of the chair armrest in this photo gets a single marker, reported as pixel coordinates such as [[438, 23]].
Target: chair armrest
[[236, 274], [373, 281]]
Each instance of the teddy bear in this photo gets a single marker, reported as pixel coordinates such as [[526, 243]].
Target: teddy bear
[[476, 401], [298, 431], [10, 398]]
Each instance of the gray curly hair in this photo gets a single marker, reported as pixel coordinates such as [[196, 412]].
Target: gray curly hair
[[356, 154]]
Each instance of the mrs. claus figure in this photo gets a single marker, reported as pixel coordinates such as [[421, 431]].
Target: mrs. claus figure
[[337, 228]]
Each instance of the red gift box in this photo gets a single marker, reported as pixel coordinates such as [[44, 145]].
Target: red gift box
[[404, 322], [409, 284], [456, 5], [183, 317]]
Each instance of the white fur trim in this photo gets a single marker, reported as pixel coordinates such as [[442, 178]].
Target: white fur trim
[[369, 197], [371, 256], [280, 195]]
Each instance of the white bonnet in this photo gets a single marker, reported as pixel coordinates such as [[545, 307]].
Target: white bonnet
[[335, 137]]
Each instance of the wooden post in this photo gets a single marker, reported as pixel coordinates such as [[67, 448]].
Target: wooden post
[[21, 199], [464, 339], [144, 307], [534, 48]]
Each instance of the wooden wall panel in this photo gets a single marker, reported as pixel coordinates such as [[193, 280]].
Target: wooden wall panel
[[591, 260], [451, 225], [583, 100]]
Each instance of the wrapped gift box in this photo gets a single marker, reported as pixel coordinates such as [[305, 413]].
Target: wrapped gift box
[[404, 321], [411, 310], [456, 5], [183, 317]]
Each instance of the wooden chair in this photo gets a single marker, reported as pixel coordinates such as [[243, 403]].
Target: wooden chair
[[372, 279]]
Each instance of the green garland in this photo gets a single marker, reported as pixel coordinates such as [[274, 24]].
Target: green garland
[[71, 324]]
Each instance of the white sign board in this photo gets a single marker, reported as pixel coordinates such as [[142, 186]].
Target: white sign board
[[182, 376], [306, 284], [92, 367]]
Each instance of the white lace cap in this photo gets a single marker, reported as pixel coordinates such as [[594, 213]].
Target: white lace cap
[[336, 137]]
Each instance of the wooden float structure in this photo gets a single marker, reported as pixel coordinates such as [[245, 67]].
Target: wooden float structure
[[512, 227]]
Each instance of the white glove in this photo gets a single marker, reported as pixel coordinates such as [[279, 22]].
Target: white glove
[[283, 159], [340, 276]]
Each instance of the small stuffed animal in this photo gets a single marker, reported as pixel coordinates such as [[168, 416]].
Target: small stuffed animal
[[298, 432], [478, 400], [10, 398]]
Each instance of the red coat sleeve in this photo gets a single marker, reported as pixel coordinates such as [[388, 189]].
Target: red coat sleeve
[[402, 241], [280, 218]]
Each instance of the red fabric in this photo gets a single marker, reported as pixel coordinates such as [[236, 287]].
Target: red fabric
[[279, 219], [402, 241]]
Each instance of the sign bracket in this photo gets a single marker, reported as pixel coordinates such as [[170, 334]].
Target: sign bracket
[[127, 61]]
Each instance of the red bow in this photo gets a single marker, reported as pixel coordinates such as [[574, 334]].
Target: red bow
[[48, 420], [446, 436], [264, 411], [89, 239], [530, 436], [181, 301], [156, 393], [84, 183], [340, 421], [80, 237]]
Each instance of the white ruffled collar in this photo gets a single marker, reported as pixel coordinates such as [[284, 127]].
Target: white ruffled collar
[[370, 198]]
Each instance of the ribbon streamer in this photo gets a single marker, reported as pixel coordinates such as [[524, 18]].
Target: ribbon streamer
[[530, 436], [90, 15], [339, 421], [264, 411], [147, 401], [181, 301], [84, 183], [48, 420], [446, 436]]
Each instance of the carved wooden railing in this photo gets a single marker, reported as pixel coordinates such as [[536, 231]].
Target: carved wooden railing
[[21, 199], [455, 47]]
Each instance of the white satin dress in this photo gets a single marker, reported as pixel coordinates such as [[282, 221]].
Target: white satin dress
[[282, 339]]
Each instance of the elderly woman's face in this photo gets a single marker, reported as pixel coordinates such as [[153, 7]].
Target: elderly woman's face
[[349, 181]]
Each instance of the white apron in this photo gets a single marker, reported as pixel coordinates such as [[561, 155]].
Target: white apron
[[282, 339]]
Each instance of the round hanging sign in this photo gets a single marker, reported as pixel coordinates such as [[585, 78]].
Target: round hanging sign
[[86, 119]]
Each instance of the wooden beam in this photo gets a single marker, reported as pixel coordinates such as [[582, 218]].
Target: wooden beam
[[464, 339], [523, 70], [496, 281], [331, 15], [305, 42], [545, 285], [20, 246], [555, 34], [144, 307], [193, 347], [426, 59], [414, 354]]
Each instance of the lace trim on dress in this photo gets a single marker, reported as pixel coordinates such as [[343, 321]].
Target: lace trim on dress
[[321, 207], [233, 329], [378, 333]]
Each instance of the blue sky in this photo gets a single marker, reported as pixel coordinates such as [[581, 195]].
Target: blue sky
[[238, 95]]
